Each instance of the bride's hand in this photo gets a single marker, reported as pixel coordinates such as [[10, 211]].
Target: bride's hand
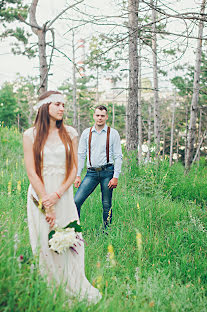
[[50, 216], [50, 200]]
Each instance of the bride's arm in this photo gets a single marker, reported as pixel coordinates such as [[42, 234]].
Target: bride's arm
[[51, 199], [30, 167], [34, 178]]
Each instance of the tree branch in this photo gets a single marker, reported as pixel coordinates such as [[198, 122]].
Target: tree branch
[[71, 6]]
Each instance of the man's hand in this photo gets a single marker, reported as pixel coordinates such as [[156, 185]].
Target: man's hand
[[77, 182], [113, 183]]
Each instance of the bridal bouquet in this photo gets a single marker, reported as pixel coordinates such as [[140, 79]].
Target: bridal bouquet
[[60, 239]]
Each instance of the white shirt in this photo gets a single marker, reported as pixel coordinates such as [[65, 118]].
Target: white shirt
[[98, 150]]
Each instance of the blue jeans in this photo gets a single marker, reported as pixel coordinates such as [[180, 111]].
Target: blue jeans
[[88, 185]]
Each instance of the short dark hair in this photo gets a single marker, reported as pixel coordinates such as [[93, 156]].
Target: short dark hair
[[101, 107]]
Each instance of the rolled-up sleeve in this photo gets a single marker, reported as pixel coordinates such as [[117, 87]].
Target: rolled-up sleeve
[[117, 154], [82, 151]]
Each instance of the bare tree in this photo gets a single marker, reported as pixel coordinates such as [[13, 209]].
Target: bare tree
[[139, 108], [195, 97], [172, 128], [149, 129], [132, 107], [75, 123], [40, 32], [155, 78]]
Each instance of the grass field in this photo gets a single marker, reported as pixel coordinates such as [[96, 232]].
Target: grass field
[[154, 258]]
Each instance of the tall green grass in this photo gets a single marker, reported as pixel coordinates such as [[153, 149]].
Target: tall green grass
[[168, 208]]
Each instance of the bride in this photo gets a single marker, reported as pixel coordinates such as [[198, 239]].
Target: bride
[[50, 152]]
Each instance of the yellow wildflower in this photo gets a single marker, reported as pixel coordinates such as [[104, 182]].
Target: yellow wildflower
[[9, 187], [139, 240], [138, 207], [40, 204], [7, 161], [19, 186], [109, 216], [111, 255], [110, 249]]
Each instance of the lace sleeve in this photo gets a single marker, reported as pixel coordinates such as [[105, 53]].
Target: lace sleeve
[[72, 132], [30, 133]]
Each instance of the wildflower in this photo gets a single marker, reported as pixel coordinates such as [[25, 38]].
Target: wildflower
[[21, 258], [139, 240], [40, 204], [152, 304], [138, 207], [111, 255], [98, 264], [136, 275], [99, 282], [109, 216], [7, 161], [9, 187], [19, 186]]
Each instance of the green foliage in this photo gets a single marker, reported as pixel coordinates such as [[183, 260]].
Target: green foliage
[[119, 118], [171, 275], [96, 58], [15, 11], [16, 101], [85, 101], [8, 105]]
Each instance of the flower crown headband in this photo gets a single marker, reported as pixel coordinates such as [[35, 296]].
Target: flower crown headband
[[52, 98]]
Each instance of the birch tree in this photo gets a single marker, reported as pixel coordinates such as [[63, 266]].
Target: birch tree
[[172, 129], [155, 78], [195, 97], [139, 108], [132, 107], [75, 122]]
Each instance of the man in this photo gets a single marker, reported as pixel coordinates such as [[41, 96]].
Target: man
[[102, 146]]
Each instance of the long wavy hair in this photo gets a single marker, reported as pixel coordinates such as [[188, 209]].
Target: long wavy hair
[[42, 125]]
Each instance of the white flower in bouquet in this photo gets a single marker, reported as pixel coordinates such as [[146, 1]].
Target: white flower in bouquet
[[63, 239]]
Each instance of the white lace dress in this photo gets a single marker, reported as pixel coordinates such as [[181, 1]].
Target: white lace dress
[[67, 268]]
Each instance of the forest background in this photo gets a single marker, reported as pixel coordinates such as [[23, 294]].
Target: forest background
[[146, 61]]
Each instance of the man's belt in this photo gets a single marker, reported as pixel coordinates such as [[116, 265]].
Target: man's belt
[[100, 168]]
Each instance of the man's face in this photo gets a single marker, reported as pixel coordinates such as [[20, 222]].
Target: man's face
[[100, 117]]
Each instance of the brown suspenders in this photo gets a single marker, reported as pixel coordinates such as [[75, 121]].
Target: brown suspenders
[[107, 145]]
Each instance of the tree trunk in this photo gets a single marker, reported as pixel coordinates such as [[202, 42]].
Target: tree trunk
[[139, 108], [155, 79], [177, 149], [75, 123], [172, 129], [195, 97], [163, 151], [199, 134], [149, 129], [199, 146], [43, 61], [186, 129], [132, 107], [97, 86], [41, 34]]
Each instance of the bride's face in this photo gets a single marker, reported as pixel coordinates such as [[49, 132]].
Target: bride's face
[[56, 110]]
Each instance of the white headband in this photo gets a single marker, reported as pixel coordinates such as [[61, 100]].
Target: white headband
[[52, 98]]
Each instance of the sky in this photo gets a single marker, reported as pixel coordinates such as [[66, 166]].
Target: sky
[[62, 69]]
